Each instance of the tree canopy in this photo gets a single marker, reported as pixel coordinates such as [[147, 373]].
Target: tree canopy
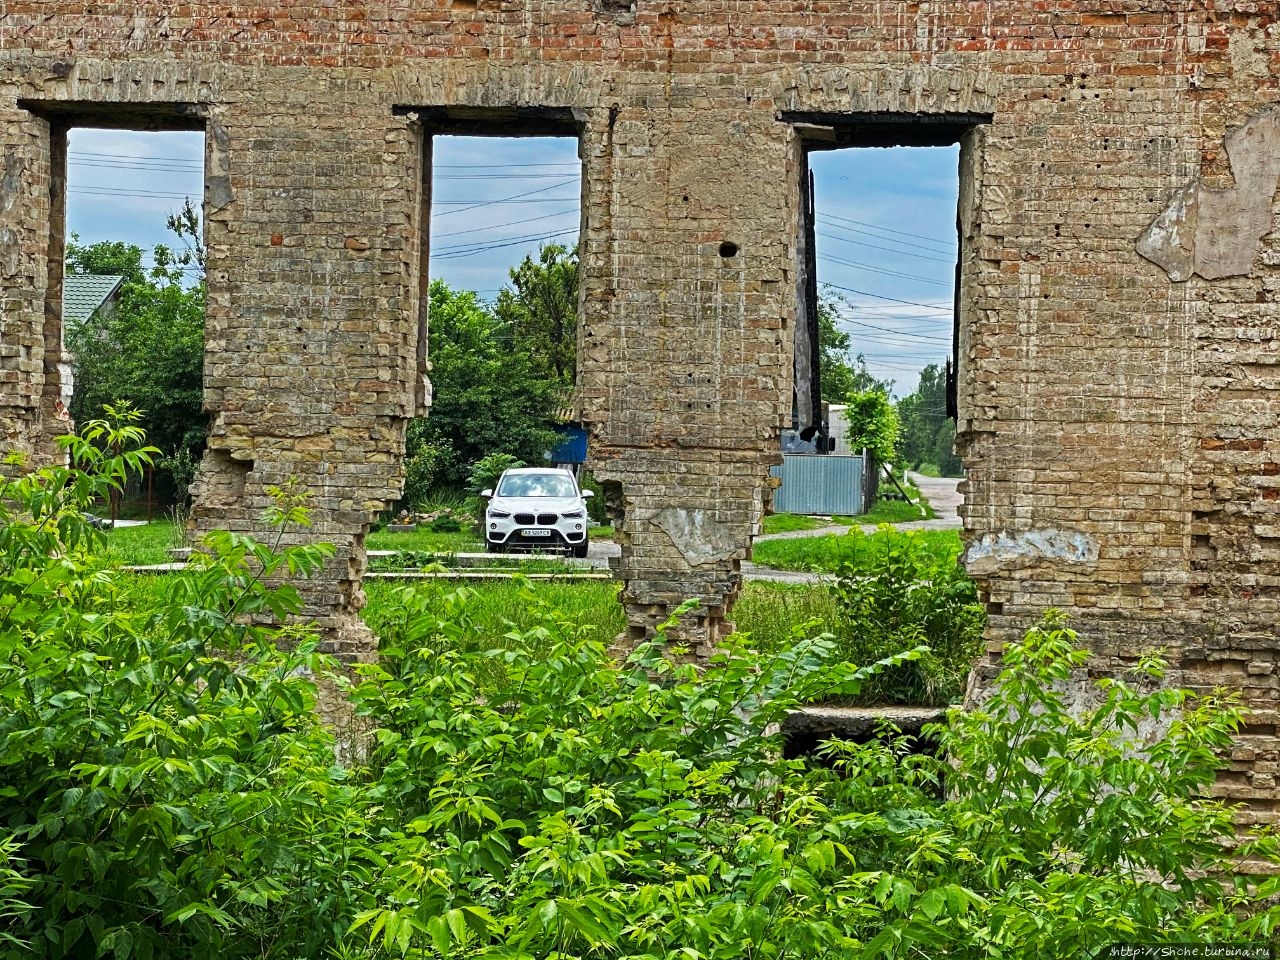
[[928, 434], [873, 424], [842, 372], [540, 309], [490, 394], [148, 351]]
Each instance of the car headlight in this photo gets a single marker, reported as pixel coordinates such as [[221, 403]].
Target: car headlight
[[573, 515], [499, 514]]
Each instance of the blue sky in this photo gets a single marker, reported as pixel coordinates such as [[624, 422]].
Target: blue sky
[[885, 222]]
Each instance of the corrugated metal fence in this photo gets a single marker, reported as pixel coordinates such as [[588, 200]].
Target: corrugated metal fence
[[819, 484]]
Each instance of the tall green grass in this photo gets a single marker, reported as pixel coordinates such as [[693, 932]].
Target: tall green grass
[[827, 553], [790, 522], [498, 606], [426, 541], [147, 544]]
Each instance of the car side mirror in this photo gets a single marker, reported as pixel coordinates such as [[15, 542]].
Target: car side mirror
[[486, 492], [588, 493]]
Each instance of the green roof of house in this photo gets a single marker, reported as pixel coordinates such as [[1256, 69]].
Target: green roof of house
[[83, 293]]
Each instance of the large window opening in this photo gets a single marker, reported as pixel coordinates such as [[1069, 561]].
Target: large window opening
[[878, 296], [125, 303], [133, 297], [885, 242], [502, 216]]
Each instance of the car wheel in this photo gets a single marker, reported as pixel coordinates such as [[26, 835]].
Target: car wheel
[[580, 549], [490, 547]]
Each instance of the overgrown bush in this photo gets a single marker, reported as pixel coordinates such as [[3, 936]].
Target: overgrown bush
[[445, 523], [484, 475], [597, 508], [896, 591], [156, 763], [166, 790], [555, 805], [425, 465]]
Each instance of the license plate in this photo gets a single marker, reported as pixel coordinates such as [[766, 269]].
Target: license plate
[[535, 533]]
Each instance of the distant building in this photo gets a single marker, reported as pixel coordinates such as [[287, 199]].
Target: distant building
[[83, 295]]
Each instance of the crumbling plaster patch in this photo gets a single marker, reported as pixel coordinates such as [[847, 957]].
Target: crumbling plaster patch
[[1012, 551], [1215, 233], [698, 536], [10, 182]]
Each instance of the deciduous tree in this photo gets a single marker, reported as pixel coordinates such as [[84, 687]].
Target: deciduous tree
[[148, 351], [540, 308], [489, 396]]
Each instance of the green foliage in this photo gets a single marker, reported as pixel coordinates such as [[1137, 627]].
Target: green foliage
[[498, 608], [873, 424], [884, 510], [149, 350], [928, 434], [827, 553], [556, 804], [485, 474], [842, 373], [157, 762], [897, 591], [488, 396], [167, 790], [139, 545], [488, 469], [445, 523], [463, 541], [789, 522], [540, 309], [427, 463], [597, 509]]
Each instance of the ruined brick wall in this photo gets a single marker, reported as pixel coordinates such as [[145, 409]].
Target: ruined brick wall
[[1118, 389]]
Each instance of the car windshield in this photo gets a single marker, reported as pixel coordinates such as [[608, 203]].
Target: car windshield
[[536, 485]]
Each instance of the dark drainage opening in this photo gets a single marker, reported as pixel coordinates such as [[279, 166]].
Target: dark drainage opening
[[807, 729]]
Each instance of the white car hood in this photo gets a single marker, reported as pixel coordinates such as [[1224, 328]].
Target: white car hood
[[536, 504]]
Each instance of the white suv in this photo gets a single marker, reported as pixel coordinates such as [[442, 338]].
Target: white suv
[[535, 507]]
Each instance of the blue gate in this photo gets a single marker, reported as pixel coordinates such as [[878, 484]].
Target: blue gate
[[822, 484]]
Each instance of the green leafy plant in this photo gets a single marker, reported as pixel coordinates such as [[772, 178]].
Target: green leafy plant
[[1075, 816], [873, 424], [484, 476], [154, 760], [445, 523], [898, 593], [558, 804], [168, 791], [553, 803]]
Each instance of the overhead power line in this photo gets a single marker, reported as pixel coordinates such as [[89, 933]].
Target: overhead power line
[[901, 233], [454, 253], [880, 296], [902, 245], [876, 246], [896, 333], [133, 156], [513, 197], [889, 273], [476, 203], [113, 192], [506, 223]]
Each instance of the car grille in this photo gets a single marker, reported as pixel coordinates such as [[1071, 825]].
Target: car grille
[[541, 519]]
